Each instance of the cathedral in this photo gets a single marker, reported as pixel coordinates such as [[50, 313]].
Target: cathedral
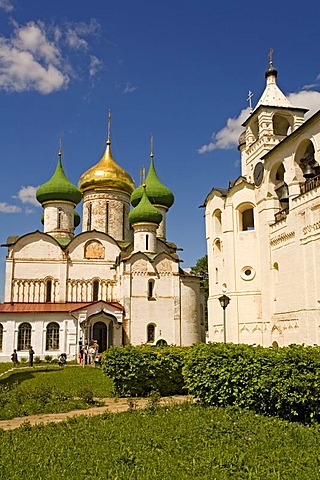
[[117, 282], [263, 231]]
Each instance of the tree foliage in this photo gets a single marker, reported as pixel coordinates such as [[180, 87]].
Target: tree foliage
[[201, 269]]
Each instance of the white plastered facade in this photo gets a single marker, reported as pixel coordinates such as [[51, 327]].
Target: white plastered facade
[[263, 232]]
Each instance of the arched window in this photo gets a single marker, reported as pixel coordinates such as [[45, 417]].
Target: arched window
[[95, 290], [150, 289], [151, 330], [217, 246], [49, 291], [217, 222], [1, 336], [52, 336], [246, 217], [24, 336], [281, 125]]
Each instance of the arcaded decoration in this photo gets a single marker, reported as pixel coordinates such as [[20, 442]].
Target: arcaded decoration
[[35, 290], [94, 250], [79, 290]]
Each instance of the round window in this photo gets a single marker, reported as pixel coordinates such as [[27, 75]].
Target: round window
[[247, 273]]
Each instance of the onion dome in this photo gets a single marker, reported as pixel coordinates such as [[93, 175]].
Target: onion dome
[[157, 193], [144, 211], [107, 175], [58, 188]]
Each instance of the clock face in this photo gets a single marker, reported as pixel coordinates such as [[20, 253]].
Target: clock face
[[258, 173]]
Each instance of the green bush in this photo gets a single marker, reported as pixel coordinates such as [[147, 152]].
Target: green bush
[[48, 358], [280, 382], [138, 371], [37, 360]]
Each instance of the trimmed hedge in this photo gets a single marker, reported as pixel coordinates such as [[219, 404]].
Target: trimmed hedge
[[137, 371], [281, 382]]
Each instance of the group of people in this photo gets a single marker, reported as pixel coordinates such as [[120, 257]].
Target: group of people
[[14, 357], [89, 354]]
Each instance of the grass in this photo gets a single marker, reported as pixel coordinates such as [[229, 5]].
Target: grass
[[50, 389], [181, 443]]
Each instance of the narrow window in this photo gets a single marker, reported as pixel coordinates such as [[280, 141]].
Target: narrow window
[[217, 275], [147, 242], [89, 216], [59, 218], [52, 336], [95, 290], [1, 336], [150, 289], [24, 336], [48, 291], [123, 221], [150, 333], [107, 217]]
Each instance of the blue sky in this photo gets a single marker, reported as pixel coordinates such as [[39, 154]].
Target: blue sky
[[179, 69]]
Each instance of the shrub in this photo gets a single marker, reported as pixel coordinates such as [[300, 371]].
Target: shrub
[[48, 358], [137, 371], [283, 382], [37, 360], [23, 359]]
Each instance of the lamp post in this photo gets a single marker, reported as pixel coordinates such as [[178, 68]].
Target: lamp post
[[224, 302]]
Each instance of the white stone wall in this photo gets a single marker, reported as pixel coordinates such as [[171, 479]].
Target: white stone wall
[[55, 213], [109, 213]]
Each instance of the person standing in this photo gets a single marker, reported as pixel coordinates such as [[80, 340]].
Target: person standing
[[31, 353], [14, 358]]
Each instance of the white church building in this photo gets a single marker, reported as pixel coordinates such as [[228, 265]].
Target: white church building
[[263, 231], [117, 282]]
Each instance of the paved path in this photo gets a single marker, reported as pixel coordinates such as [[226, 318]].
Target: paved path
[[112, 405]]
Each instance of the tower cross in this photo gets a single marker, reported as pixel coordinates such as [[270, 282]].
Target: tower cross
[[270, 57], [109, 125], [250, 95]]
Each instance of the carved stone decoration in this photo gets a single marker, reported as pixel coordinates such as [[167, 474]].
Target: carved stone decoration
[[140, 267], [94, 250], [164, 266]]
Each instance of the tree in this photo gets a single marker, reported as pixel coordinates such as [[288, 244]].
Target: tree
[[201, 269]]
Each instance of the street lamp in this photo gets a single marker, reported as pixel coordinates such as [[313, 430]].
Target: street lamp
[[224, 302]]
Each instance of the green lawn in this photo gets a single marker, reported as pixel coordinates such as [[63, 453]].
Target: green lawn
[[48, 389], [178, 443]]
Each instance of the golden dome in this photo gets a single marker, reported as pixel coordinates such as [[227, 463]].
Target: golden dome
[[106, 175]]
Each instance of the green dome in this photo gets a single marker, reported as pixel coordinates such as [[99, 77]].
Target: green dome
[[58, 188], [145, 211], [157, 193]]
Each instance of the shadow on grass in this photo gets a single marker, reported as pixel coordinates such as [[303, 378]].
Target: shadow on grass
[[26, 374]]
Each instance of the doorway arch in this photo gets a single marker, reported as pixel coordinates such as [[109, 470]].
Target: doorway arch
[[103, 334]]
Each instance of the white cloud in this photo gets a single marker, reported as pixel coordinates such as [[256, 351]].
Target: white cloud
[[307, 99], [29, 61], [28, 195], [76, 31], [94, 65], [6, 5], [129, 88], [228, 136], [35, 57], [6, 208]]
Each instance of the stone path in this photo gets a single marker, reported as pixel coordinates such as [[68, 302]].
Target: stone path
[[112, 405]]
